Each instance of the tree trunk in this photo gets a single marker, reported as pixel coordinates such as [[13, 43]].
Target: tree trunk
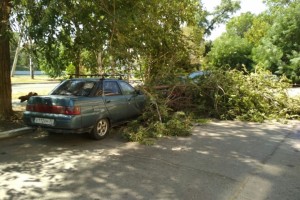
[[31, 67], [5, 81], [100, 63], [13, 69], [77, 65]]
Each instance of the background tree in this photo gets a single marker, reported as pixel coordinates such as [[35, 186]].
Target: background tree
[[230, 52], [282, 41], [221, 14], [259, 28], [149, 36], [270, 40], [240, 25]]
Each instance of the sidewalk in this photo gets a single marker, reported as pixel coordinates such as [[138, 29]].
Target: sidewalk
[[15, 132]]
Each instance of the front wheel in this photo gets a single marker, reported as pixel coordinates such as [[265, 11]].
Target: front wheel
[[101, 129]]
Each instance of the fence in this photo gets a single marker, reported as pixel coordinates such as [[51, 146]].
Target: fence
[[28, 73]]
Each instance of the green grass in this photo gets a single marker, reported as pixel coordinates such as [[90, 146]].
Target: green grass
[[27, 79], [202, 121]]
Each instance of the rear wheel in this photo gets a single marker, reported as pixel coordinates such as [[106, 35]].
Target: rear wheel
[[101, 129]]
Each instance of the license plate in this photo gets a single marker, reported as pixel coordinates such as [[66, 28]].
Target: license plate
[[44, 121]]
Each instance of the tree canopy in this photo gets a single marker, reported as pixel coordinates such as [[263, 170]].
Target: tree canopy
[[114, 34], [270, 40]]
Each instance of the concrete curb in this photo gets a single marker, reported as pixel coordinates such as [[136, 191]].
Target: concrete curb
[[15, 132]]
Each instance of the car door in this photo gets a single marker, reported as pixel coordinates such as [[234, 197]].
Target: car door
[[135, 100], [115, 102], [93, 106]]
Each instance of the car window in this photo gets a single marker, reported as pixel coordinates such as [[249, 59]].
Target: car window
[[126, 88], [111, 88], [99, 90], [75, 87]]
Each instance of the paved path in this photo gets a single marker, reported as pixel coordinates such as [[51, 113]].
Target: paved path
[[39, 88], [294, 92], [221, 160]]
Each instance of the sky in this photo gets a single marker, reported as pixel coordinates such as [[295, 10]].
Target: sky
[[254, 6]]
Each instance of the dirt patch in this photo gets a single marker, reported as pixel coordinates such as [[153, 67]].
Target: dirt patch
[[15, 122]]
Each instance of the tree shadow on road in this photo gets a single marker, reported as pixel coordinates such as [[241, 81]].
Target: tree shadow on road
[[216, 162]]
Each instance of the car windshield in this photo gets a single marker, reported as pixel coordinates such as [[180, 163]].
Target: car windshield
[[75, 87]]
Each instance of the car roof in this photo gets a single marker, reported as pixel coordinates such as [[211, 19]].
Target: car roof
[[94, 79], [96, 76], [198, 73]]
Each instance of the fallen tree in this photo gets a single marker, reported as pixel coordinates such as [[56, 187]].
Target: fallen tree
[[225, 95]]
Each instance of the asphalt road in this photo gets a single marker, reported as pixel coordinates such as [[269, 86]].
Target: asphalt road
[[221, 160], [294, 92], [28, 86]]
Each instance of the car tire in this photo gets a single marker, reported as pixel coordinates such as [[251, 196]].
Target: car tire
[[101, 129]]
